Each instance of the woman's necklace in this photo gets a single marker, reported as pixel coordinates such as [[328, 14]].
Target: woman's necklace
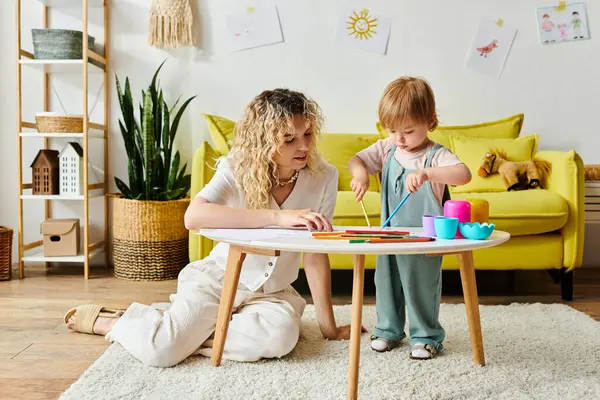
[[291, 180]]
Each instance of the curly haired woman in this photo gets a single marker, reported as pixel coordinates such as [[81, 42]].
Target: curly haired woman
[[274, 175]]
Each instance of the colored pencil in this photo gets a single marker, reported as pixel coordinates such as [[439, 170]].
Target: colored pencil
[[395, 211], [378, 232], [404, 240], [365, 212]]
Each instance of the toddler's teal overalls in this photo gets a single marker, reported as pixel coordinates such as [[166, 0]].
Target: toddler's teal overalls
[[411, 281]]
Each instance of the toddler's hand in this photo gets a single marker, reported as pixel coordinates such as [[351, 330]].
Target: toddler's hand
[[415, 180], [360, 187]]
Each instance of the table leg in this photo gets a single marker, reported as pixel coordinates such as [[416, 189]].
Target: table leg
[[235, 259], [356, 324], [467, 276]]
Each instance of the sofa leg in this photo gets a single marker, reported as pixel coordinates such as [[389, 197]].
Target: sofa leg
[[566, 286], [565, 279]]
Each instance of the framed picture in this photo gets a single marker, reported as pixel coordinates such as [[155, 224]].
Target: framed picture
[[562, 24]]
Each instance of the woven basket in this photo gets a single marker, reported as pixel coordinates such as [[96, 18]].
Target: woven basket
[[150, 241], [59, 123], [59, 44], [592, 172], [6, 239]]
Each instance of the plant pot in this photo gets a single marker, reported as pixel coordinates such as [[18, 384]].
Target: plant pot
[[150, 241]]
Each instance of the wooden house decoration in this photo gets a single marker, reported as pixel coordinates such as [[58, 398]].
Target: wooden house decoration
[[45, 173], [71, 170]]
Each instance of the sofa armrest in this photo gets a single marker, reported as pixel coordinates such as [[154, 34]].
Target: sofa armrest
[[203, 165], [567, 179]]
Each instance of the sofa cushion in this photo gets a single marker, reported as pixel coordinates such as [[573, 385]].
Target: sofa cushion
[[472, 150], [508, 128], [349, 213], [339, 148], [526, 212], [221, 132]]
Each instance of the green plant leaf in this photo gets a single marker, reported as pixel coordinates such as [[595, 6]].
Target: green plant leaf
[[174, 169], [177, 118], [182, 172], [123, 188], [148, 140], [165, 141]]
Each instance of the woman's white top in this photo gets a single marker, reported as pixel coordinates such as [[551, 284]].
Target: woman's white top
[[317, 193]]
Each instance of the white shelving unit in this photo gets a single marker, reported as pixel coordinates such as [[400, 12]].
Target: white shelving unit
[[91, 63]]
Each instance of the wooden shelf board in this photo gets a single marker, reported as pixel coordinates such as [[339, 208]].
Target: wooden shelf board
[[92, 193], [94, 135], [71, 3], [38, 256], [60, 66]]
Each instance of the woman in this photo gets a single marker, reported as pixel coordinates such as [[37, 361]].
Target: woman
[[274, 175]]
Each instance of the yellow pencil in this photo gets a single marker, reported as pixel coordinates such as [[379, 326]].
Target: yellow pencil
[[365, 212]]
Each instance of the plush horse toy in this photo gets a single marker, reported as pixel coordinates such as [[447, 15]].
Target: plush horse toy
[[520, 175]]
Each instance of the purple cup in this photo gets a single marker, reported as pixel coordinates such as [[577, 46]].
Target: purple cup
[[429, 225]]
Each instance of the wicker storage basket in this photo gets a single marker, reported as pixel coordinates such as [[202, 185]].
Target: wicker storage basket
[[592, 172], [6, 239], [150, 241], [49, 123], [59, 44]]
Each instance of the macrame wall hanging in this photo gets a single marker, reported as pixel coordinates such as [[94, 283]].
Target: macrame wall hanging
[[171, 23]]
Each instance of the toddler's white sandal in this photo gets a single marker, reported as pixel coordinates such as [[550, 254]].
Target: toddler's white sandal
[[382, 344], [422, 351]]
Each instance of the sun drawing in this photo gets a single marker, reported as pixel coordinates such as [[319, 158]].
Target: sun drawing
[[362, 26]]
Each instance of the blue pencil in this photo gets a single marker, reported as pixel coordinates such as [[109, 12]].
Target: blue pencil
[[395, 210]]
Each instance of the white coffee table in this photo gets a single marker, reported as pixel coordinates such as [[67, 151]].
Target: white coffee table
[[271, 242]]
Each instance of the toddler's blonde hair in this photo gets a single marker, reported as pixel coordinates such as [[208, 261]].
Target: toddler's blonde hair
[[407, 98], [260, 134]]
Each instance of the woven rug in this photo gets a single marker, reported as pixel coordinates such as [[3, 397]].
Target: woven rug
[[532, 351]]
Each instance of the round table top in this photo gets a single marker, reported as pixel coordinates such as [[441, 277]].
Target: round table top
[[301, 240]]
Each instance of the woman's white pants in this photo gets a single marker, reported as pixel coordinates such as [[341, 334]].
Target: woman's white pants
[[262, 325]]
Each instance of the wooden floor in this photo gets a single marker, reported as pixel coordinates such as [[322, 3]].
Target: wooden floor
[[39, 358]]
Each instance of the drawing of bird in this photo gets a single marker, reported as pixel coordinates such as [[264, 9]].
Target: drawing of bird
[[484, 51]]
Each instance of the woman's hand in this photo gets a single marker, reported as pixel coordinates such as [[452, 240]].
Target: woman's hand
[[360, 185], [312, 220], [343, 332], [415, 180]]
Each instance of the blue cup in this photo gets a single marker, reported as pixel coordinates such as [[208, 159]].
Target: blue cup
[[446, 227]]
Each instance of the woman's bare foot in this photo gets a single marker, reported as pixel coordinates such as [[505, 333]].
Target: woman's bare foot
[[102, 325]]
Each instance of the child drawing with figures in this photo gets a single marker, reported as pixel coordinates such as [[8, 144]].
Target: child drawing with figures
[[409, 163]]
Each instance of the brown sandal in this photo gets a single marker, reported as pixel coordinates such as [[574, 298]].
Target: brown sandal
[[87, 314]]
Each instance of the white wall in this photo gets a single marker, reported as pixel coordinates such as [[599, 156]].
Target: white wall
[[555, 87]]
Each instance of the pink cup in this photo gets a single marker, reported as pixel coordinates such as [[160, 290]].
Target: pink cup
[[460, 209]]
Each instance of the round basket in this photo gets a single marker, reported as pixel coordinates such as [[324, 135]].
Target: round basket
[[59, 44], [6, 239], [150, 241], [592, 172], [59, 123]]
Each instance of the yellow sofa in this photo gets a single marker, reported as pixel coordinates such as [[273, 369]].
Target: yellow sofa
[[546, 225]]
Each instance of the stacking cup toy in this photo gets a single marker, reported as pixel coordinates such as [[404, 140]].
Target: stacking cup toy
[[429, 225], [446, 227], [459, 209], [480, 210]]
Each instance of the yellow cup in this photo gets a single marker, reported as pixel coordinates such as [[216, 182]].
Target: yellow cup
[[480, 210]]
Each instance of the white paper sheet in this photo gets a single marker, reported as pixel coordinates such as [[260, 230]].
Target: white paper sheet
[[249, 235], [489, 49], [253, 27], [363, 29], [560, 25]]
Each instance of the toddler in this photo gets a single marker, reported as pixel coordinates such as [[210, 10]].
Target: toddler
[[410, 163]]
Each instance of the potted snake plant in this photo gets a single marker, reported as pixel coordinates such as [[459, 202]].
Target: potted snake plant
[[150, 241]]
